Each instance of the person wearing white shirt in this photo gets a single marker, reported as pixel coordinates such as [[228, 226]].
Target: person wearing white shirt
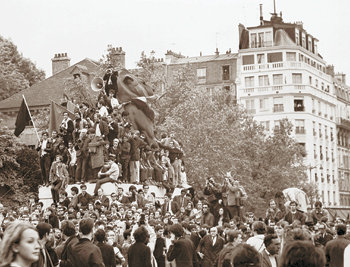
[[102, 109], [270, 255], [72, 164], [44, 149], [109, 176]]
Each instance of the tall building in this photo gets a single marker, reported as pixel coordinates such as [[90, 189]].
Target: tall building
[[282, 75], [343, 138]]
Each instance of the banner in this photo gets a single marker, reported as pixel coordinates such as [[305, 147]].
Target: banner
[[23, 119], [56, 116]]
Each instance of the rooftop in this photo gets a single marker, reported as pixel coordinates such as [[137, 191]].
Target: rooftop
[[51, 88]]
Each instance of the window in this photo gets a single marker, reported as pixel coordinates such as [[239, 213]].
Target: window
[[268, 38], [227, 88], [264, 103], [304, 41], [274, 57], [201, 75], [226, 72], [309, 45], [321, 154], [316, 83], [310, 80], [297, 78], [266, 125], [313, 105], [264, 80], [291, 56], [248, 60], [261, 39], [315, 152], [326, 131], [327, 89], [319, 108], [299, 105], [278, 104], [253, 42], [322, 86], [249, 81], [320, 129], [260, 58], [277, 79], [277, 126], [250, 106], [297, 37], [299, 126], [314, 129]]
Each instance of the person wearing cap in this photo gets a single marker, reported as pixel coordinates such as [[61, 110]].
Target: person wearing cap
[[110, 175]]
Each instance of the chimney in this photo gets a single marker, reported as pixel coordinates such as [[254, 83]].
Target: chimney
[[261, 15], [117, 57], [60, 62], [217, 51]]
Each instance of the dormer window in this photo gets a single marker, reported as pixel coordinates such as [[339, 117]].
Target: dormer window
[[297, 37]]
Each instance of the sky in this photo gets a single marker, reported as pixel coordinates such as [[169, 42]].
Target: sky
[[84, 28]]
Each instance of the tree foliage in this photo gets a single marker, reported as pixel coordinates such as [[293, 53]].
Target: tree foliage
[[16, 72], [220, 137], [19, 170]]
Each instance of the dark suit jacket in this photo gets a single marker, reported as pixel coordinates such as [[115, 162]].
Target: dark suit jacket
[[174, 207], [298, 216], [108, 256], [183, 252], [85, 253], [159, 251], [210, 251], [139, 255], [104, 201], [182, 200], [335, 251], [264, 259], [103, 127]]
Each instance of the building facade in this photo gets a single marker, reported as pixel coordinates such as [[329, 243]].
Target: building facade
[[282, 75], [343, 138], [212, 73]]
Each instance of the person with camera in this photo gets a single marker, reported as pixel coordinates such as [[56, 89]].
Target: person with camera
[[235, 197], [213, 191]]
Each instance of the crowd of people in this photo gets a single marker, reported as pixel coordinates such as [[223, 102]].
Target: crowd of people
[[121, 230], [135, 228]]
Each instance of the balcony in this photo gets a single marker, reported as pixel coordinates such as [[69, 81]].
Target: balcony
[[292, 88], [286, 65], [251, 111]]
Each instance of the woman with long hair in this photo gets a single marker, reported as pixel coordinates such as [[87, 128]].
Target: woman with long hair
[[20, 245]]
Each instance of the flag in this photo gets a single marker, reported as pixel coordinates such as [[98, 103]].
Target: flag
[[23, 119], [56, 116]]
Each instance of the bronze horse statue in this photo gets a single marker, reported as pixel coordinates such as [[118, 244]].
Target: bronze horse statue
[[134, 95]]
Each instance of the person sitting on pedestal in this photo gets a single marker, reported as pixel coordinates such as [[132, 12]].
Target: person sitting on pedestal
[[109, 173]]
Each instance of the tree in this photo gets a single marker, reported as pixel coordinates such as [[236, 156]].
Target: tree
[[218, 138], [19, 170], [16, 72]]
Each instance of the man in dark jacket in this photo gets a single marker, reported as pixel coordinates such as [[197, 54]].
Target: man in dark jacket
[[294, 214], [107, 250], [68, 230], [84, 252], [139, 254], [182, 249], [209, 248], [335, 248], [159, 248]]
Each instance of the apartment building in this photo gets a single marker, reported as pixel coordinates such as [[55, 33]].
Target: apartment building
[[282, 75]]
